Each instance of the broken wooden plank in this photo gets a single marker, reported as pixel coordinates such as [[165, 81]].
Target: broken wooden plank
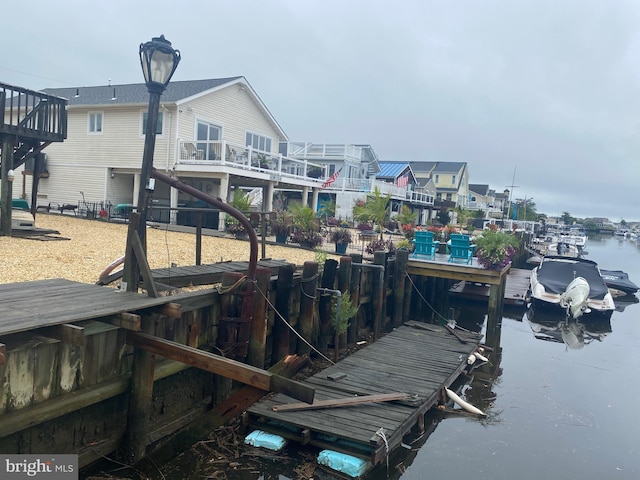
[[342, 402], [455, 334], [224, 412], [225, 367]]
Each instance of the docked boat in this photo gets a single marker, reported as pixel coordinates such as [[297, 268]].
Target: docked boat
[[574, 284], [619, 282], [552, 244]]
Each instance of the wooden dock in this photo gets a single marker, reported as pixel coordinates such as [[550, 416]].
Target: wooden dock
[[44, 303], [201, 274], [416, 359], [515, 290]]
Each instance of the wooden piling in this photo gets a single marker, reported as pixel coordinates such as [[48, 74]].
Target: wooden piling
[[307, 302], [344, 282], [399, 284], [258, 338], [280, 331], [379, 258], [324, 305], [354, 291], [136, 436]]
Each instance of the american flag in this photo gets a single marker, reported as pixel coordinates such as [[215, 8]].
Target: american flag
[[331, 179], [403, 181]]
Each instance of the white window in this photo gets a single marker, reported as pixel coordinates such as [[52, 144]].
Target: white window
[[158, 124], [258, 142], [207, 134], [453, 179], [95, 122], [437, 179]]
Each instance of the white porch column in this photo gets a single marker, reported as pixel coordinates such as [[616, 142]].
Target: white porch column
[[314, 199], [136, 188], [173, 203], [305, 195], [267, 197], [223, 193]]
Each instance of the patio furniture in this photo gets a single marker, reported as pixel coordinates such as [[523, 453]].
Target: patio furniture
[[192, 152], [425, 245], [460, 248]]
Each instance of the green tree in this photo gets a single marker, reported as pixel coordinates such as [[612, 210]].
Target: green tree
[[443, 217], [240, 200], [405, 216], [303, 217], [374, 209], [566, 218]]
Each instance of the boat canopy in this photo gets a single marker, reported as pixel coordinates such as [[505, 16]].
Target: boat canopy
[[556, 272]]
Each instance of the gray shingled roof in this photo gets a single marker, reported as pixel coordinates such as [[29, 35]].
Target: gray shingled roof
[[422, 166], [453, 167], [135, 93], [478, 188]]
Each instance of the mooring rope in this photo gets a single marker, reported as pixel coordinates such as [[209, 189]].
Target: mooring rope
[[290, 327], [307, 280], [223, 290], [424, 299], [380, 433]]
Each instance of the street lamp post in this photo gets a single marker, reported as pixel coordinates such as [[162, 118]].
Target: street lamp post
[[159, 61]]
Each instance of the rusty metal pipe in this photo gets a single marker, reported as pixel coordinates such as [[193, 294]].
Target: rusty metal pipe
[[220, 204]]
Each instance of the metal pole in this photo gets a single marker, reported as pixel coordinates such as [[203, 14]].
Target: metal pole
[[145, 188]]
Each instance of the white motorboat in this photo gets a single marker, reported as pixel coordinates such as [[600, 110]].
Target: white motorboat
[[574, 284]]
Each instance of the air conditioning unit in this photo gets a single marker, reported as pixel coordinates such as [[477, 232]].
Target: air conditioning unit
[[42, 157]]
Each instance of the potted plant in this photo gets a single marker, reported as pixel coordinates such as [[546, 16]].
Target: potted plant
[[494, 249], [235, 228], [405, 244], [341, 237], [306, 238], [280, 227]]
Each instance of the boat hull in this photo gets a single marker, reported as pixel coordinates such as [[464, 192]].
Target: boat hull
[[571, 284]]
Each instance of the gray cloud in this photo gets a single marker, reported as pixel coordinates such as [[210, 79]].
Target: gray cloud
[[547, 88]]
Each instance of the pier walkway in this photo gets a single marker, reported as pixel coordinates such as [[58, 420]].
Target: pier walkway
[[416, 359]]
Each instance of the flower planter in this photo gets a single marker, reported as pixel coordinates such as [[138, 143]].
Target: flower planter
[[341, 248]]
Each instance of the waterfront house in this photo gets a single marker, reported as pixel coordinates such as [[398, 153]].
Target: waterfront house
[[215, 134], [354, 170]]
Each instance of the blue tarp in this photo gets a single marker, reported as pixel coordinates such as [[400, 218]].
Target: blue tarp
[[258, 438], [352, 466]]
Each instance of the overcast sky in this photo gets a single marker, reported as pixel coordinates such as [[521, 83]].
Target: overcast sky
[[546, 89]]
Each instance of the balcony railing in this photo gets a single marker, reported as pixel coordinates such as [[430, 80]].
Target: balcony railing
[[222, 153], [31, 114], [324, 151]]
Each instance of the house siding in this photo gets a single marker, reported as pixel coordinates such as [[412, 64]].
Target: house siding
[[233, 110]]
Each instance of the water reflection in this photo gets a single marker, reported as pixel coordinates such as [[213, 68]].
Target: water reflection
[[575, 334]]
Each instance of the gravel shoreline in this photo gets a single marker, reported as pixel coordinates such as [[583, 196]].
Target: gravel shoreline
[[94, 244]]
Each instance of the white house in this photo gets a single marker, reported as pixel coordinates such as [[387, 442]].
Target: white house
[[214, 134]]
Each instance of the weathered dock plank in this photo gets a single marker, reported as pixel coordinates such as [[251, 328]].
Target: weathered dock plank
[[209, 273], [408, 360], [42, 303]]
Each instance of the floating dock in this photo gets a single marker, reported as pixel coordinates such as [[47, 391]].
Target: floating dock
[[418, 360]]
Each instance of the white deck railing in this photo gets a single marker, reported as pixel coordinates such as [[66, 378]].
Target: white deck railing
[[222, 153], [324, 151]]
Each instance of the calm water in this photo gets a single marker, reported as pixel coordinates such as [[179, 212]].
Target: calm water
[[558, 412], [554, 412]]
